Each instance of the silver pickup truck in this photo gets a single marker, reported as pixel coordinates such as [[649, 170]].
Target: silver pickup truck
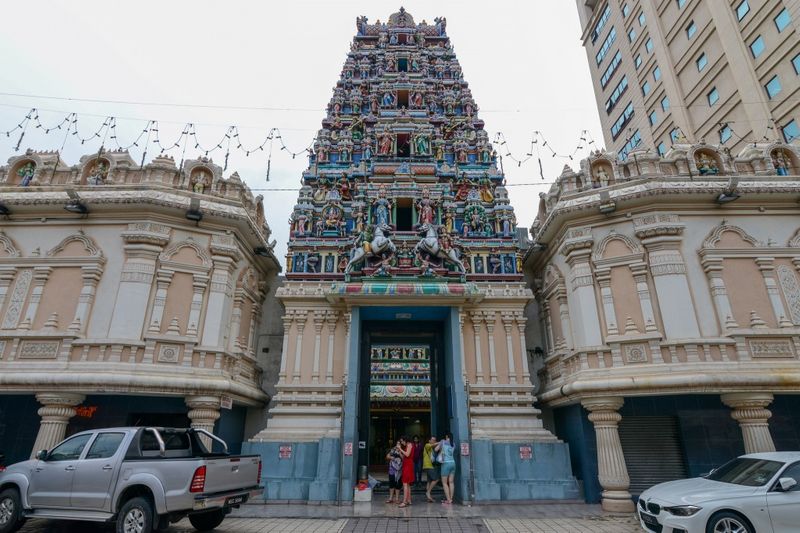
[[141, 478]]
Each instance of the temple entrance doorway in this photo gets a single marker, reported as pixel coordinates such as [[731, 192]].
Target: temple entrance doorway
[[403, 390]]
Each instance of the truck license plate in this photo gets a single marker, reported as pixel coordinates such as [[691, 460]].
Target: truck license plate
[[236, 500]]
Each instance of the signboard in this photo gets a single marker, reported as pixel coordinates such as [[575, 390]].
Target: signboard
[[285, 452], [226, 402], [85, 411], [362, 445], [348, 448], [465, 449], [526, 453]]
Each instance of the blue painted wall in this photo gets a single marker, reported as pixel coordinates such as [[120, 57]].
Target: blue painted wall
[[574, 428], [230, 428], [19, 424]]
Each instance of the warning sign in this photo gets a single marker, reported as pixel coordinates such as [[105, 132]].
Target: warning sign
[[285, 452], [348, 448], [465, 449], [526, 453]]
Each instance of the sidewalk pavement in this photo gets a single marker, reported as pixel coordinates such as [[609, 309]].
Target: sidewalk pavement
[[421, 517]]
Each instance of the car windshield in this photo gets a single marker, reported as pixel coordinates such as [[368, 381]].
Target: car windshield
[[746, 471]]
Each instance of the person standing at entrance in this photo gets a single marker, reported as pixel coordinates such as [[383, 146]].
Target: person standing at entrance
[[417, 460], [431, 470], [446, 450], [407, 450], [395, 459]]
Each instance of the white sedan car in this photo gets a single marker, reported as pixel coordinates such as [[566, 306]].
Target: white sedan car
[[756, 493]]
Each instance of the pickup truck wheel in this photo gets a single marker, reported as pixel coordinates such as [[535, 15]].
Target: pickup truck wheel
[[208, 520], [136, 516], [10, 511]]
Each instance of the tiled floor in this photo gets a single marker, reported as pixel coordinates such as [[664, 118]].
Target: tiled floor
[[562, 525]]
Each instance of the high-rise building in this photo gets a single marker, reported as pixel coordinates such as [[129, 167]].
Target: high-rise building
[[666, 72], [404, 295]]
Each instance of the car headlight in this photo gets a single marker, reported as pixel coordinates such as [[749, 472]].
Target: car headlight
[[683, 510]]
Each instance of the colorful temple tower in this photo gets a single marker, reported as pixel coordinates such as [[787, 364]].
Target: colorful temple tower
[[404, 297]]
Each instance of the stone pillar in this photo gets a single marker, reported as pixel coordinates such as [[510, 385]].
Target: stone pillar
[[199, 284], [203, 413], [300, 317], [508, 322], [549, 341], [163, 281], [577, 249], [91, 277], [713, 269], [220, 289], [563, 312], [6, 277], [288, 320], [236, 322], [331, 318], [767, 268], [40, 276], [749, 409], [477, 318], [489, 317], [319, 321], [523, 345], [57, 409], [604, 279], [639, 271], [611, 470]]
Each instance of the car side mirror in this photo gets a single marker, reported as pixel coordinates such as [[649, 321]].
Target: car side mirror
[[787, 483], [41, 455]]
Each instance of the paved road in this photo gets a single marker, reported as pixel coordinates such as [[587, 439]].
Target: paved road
[[385, 524]]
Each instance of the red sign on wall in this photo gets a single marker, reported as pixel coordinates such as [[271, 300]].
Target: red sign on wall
[[285, 452], [348, 448], [526, 453], [465, 449]]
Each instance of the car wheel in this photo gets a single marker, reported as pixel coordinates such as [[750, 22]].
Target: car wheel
[[10, 511], [727, 522], [207, 521], [136, 516]]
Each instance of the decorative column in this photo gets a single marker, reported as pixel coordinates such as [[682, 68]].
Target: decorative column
[[91, 277], [749, 409], [40, 276], [348, 320], [7, 275], [576, 249], [767, 267], [199, 284], [508, 322], [549, 341], [461, 316], [319, 321], [143, 242], [300, 317], [563, 312], [163, 280], [203, 413], [604, 279], [57, 408], [331, 318], [489, 317], [611, 470], [236, 322], [521, 319], [713, 269], [477, 318], [219, 291], [639, 271], [288, 320]]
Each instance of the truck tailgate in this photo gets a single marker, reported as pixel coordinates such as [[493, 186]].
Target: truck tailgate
[[231, 473]]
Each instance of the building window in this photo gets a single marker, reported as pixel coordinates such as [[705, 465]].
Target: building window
[[632, 143], [675, 134], [653, 118], [782, 20], [664, 104], [642, 20], [681, 3], [645, 88], [713, 96], [619, 90], [791, 131], [657, 73], [625, 10], [742, 10], [757, 46], [638, 61], [648, 45], [725, 134], [632, 35], [612, 35], [598, 28], [702, 61], [691, 29], [796, 63], [612, 68], [623, 119], [773, 87], [662, 148]]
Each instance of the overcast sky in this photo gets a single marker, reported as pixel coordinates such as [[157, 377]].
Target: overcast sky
[[523, 60]]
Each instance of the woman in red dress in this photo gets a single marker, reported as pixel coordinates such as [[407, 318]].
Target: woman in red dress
[[407, 476]]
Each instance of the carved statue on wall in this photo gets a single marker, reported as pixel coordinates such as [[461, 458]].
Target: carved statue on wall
[[382, 208], [386, 143], [98, 173], [781, 162], [426, 208], [200, 180], [26, 172], [422, 144], [706, 165]]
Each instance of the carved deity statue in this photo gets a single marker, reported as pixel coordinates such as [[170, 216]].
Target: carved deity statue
[[98, 173], [601, 174], [200, 180], [26, 172], [425, 208], [386, 143], [382, 208], [706, 165], [422, 144], [780, 162]]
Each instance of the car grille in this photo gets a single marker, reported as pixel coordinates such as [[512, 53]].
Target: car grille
[[654, 508]]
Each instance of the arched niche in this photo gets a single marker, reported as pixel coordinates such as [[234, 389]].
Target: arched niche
[[784, 161], [200, 179], [602, 173], [708, 162], [24, 172], [96, 171]]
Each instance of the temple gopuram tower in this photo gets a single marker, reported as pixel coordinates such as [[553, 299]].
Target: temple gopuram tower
[[404, 298]]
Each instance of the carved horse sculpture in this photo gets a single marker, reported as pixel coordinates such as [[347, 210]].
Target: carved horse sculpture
[[380, 244], [430, 245]]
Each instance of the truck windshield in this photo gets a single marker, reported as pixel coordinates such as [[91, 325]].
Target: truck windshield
[[746, 471]]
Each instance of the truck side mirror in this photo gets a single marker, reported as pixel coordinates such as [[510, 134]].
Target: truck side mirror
[[41, 455], [787, 483]]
